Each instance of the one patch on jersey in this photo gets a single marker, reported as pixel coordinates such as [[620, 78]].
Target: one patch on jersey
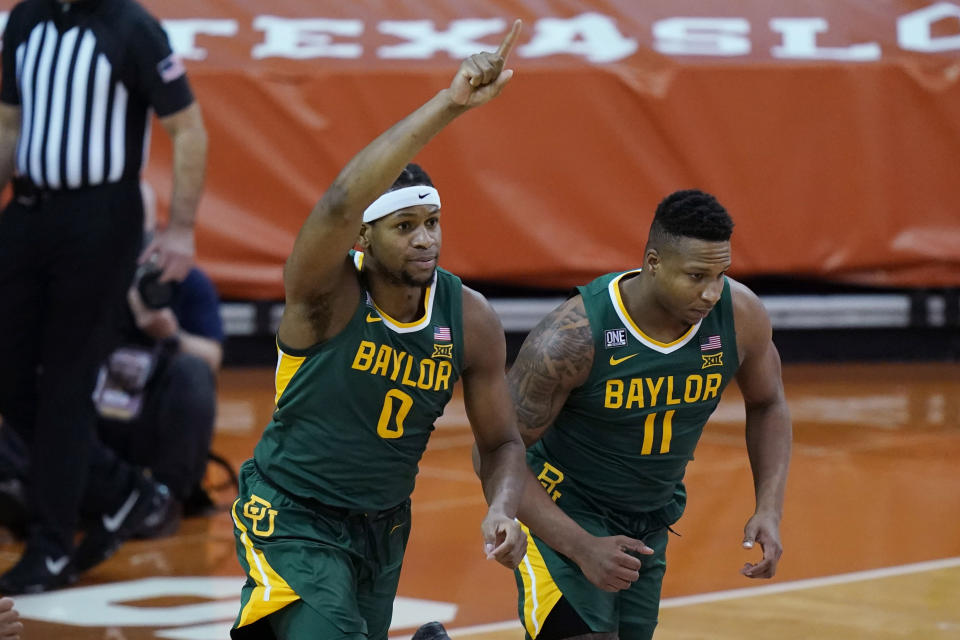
[[615, 338], [442, 351], [711, 343], [171, 68], [712, 360], [442, 333]]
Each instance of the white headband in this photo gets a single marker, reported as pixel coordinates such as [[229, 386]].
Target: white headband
[[401, 199]]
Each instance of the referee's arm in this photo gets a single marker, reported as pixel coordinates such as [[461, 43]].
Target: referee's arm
[[9, 101], [163, 80], [9, 132], [174, 244], [189, 137]]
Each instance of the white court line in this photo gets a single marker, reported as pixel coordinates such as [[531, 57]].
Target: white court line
[[811, 583], [718, 596]]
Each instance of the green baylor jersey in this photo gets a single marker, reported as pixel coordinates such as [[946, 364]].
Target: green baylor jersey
[[623, 439], [354, 413]]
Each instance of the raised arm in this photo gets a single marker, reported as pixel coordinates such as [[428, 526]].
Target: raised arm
[[503, 469], [555, 359], [316, 265], [331, 229], [768, 428]]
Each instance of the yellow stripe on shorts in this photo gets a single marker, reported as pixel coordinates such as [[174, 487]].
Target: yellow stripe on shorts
[[540, 592], [272, 592]]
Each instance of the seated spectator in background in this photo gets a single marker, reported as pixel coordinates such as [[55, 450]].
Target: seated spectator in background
[[156, 397], [157, 393], [177, 331], [10, 625]]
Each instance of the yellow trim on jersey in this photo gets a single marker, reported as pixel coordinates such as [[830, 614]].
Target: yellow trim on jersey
[[272, 592], [287, 365], [626, 315], [406, 325], [540, 592], [402, 327]]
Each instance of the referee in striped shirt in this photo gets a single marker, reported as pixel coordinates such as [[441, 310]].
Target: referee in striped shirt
[[80, 81]]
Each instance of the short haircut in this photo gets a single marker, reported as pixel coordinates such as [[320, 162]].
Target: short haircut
[[690, 213], [412, 175]]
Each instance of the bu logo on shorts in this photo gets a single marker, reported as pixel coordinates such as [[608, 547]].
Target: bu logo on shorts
[[255, 510]]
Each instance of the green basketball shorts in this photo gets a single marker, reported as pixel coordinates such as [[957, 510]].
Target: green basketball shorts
[[314, 571]]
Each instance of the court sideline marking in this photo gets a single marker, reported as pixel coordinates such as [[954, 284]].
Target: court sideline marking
[[732, 594]]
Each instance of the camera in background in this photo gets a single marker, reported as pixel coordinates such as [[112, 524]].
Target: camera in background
[[155, 294]]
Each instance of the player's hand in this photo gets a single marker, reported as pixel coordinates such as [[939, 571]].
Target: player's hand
[[481, 77], [765, 529], [10, 625], [610, 564], [173, 248], [503, 539]]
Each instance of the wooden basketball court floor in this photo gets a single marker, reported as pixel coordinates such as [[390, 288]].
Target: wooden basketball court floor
[[871, 531]]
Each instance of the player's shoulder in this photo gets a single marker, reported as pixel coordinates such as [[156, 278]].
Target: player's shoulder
[[565, 329], [573, 307], [484, 340], [749, 315], [478, 313], [564, 339], [744, 299]]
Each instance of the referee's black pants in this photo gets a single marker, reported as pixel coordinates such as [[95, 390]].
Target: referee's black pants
[[66, 260]]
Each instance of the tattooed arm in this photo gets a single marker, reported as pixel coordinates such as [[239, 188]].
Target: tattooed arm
[[555, 359]]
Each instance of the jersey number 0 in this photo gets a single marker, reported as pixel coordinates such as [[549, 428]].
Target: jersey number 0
[[390, 424]]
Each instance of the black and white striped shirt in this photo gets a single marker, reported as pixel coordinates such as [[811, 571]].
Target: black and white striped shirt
[[86, 75]]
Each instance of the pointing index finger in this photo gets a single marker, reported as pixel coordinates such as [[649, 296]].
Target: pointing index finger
[[507, 45]]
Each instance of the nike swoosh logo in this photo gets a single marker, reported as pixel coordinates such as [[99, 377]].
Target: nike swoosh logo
[[56, 566], [422, 196], [112, 523], [373, 318], [615, 361], [396, 527]]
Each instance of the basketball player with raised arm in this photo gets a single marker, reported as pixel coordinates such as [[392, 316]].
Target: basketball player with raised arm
[[370, 346]]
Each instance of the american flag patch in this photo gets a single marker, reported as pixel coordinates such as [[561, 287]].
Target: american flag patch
[[713, 342], [442, 333], [170, 68]]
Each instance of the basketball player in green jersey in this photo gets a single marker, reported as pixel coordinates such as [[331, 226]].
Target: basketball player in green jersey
[[370, 346], [612, 391]]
